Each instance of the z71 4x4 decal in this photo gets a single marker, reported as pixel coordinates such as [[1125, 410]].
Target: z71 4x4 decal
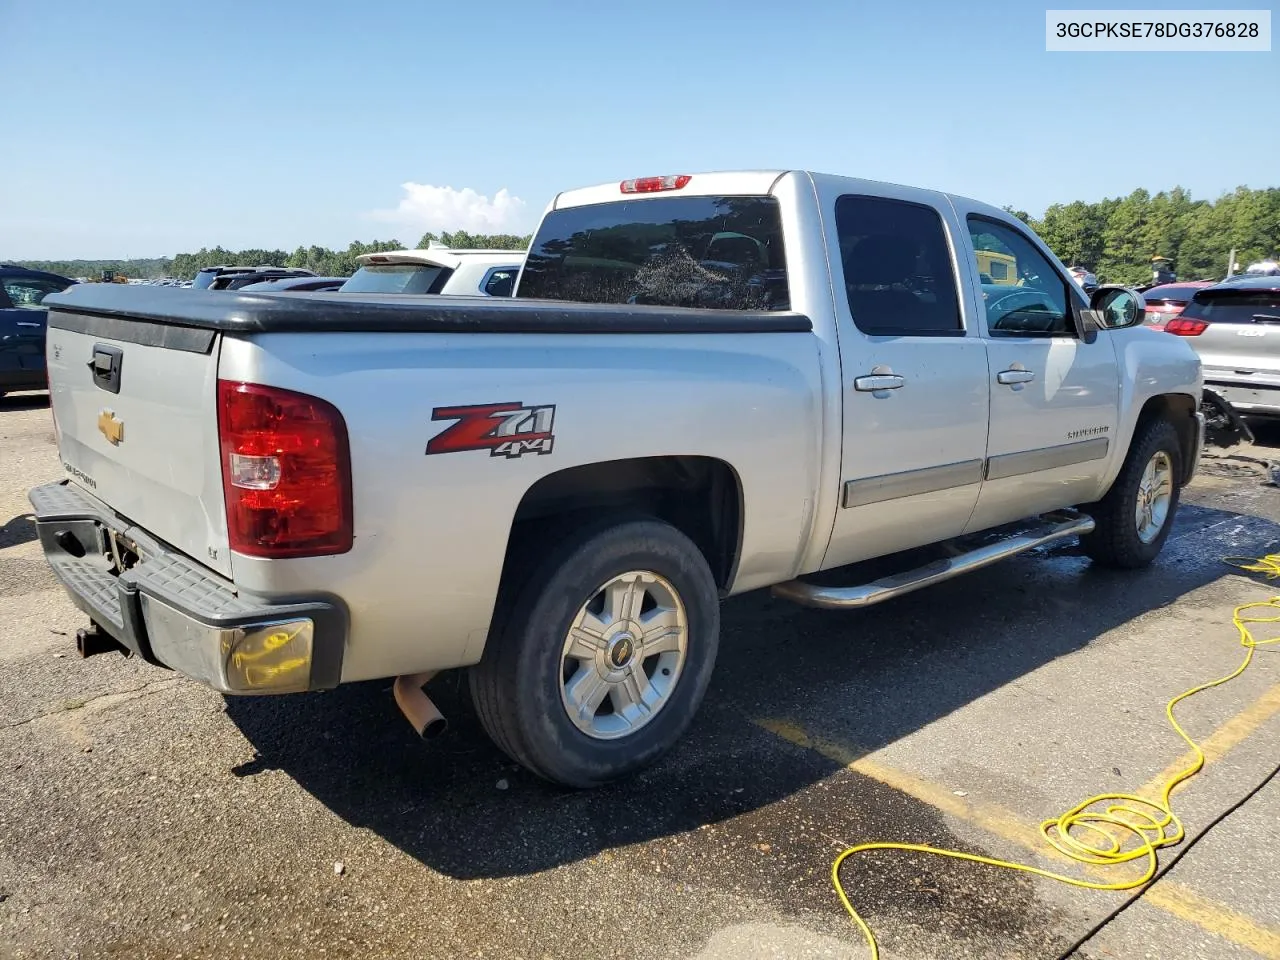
[[504, 429]]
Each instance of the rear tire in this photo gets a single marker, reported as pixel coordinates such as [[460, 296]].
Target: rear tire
[[622, 615], [1133, 519]]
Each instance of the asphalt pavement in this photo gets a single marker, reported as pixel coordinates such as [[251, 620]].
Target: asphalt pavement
[[142, 815]]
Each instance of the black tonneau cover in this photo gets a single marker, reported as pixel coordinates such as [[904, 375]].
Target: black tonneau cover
[[128, 310]]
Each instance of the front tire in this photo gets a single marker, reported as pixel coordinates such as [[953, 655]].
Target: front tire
[[1134, 518], [596, 665]]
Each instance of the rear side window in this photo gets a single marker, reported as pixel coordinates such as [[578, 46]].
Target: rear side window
[[1235, 306], [897, 268], [28, 293], [396, 278], [500, 282], [722, 253]]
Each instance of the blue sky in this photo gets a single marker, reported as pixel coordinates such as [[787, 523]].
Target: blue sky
[[144, 129]]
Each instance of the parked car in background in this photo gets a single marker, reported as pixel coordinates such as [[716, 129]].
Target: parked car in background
[[1263, 268], [437, 269], [1088, 280], [232, 278], [22, 325], [1235, 327], [237, 281], [1169, 299], [294, 284]]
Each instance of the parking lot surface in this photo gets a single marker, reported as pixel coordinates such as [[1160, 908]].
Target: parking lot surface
[[142, 815]]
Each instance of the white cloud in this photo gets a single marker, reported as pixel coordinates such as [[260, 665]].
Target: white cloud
[[425, 206]]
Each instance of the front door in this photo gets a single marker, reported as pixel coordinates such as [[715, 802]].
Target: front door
[[1054, 397], [915, 379]]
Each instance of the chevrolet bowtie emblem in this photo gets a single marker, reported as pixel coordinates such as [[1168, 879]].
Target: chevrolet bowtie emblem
[[111, 427]]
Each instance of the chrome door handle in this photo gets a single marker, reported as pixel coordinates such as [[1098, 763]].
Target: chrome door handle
[[878, 381], [26, 323], [1015, 376]]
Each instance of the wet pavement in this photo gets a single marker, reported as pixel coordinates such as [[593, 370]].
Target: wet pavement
[[144, 816]]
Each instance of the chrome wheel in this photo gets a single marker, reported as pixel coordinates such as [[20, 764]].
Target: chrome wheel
[[623, 655], [1155, 494]]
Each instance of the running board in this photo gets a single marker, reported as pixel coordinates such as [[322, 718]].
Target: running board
[[1050, 527]]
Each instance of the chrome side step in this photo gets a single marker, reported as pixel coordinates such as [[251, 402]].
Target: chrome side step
[[1051, 527]]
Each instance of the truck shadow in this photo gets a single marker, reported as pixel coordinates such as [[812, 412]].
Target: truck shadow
[[461, 808], [24, 401], [21, 529]]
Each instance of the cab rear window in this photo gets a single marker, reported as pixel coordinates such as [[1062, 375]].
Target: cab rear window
[[1235, 306], [396, 278], [722, 253]]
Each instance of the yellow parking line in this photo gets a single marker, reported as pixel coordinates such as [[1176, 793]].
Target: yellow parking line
[[993, 818], [1185, 904], [1168, 895], [1217, 744]]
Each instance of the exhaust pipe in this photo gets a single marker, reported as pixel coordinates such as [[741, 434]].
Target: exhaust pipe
[[417, 707], [91, 641]]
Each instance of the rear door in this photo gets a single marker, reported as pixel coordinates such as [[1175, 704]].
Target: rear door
[[136, 408], [914, 374], [1240, 347], [22, 325], [10, 343]]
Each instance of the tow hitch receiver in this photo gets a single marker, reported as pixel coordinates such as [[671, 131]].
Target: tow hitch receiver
[[91, 641]]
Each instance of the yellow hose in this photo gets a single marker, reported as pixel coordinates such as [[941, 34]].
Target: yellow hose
[[1082, 832]]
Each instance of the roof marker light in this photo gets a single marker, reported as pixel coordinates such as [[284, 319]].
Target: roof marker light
[[655, 184]]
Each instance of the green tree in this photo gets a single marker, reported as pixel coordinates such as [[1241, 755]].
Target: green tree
[[462, 240]]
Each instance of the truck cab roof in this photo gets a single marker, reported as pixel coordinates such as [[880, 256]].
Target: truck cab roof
[[730, 183]]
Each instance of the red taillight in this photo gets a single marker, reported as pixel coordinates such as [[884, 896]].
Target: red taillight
[[1186, 328], [286, 472], [655, 184]]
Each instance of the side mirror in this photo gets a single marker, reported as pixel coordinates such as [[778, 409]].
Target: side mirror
[[1118, 307]]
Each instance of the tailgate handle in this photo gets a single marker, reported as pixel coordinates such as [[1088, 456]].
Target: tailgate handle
[[105, 365]]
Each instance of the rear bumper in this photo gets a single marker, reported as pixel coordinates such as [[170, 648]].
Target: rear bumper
[[172, 612], [1253, 399]]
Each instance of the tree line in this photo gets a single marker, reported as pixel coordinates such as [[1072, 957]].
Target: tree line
[[319, 260], [1117, 238]]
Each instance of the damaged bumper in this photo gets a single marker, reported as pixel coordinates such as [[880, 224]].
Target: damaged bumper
[[170, 611]]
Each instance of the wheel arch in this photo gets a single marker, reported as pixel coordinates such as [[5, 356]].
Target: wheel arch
[[700, 496], [1180, 410]]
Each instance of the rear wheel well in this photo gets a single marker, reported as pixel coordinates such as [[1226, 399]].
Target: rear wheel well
[[699, 496], [1179, 409]]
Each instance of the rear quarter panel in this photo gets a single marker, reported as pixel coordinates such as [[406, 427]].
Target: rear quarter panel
[[431, 532]]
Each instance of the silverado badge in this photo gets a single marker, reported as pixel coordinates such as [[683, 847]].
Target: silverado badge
[[111, 427]]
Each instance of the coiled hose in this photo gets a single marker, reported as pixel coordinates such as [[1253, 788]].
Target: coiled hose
[[1110, 829]]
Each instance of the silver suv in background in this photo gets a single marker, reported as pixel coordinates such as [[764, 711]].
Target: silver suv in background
[[1087, 279], [437, 269], [1235, 327]]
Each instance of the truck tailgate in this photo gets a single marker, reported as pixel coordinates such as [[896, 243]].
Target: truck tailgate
[[135, 404]]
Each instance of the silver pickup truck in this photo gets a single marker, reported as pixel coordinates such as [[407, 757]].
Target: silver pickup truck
[[704, 385]]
